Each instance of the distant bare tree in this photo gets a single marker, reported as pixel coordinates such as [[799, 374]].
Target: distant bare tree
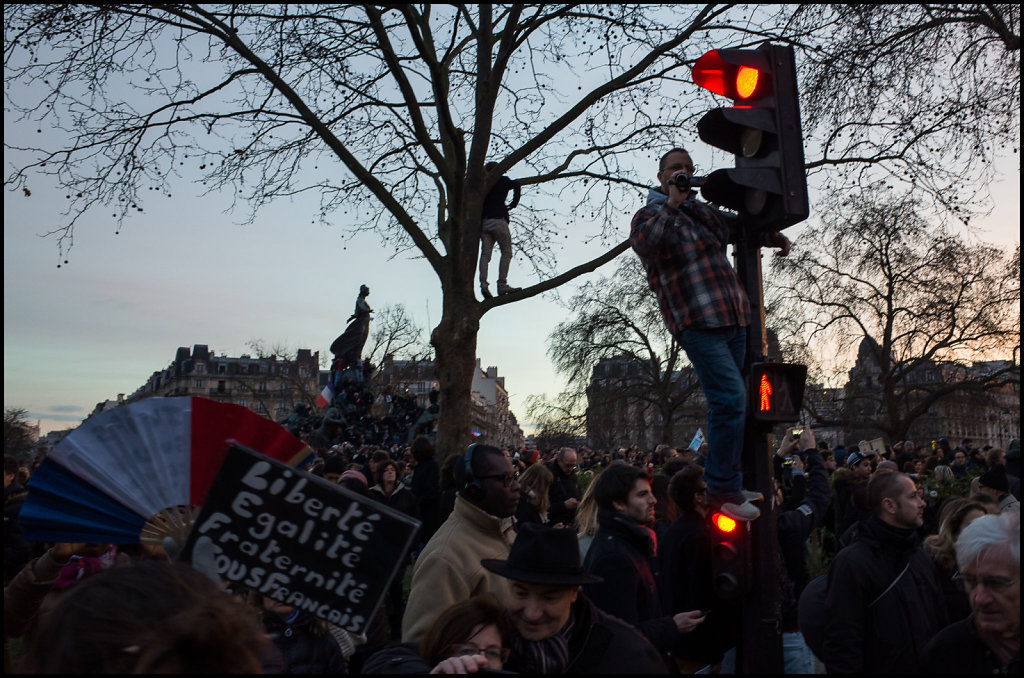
[[617, 324], [918, 302]]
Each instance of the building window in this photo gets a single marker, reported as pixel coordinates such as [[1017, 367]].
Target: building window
[[222, 368], [243, 402], [261, 408], [263, 387], [200, 368], [200, 383]]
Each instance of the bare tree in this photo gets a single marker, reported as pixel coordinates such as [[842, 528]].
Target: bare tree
[[929, 92], [916, 302], [616, 355], [18, 436], [401, 105], [396, 335]]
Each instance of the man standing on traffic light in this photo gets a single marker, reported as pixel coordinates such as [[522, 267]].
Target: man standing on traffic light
[[682, 243]]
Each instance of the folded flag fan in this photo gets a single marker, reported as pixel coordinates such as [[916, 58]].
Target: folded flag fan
[[142, 471]]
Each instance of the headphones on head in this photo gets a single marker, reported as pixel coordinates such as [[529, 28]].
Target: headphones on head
[[472, 489]]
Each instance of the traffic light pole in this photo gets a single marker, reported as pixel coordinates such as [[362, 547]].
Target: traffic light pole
[[760, 646]]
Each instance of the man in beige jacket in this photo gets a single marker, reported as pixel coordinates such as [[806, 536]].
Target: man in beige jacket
[[449, 570]]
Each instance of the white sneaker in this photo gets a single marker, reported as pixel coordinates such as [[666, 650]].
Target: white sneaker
[[745, 511]]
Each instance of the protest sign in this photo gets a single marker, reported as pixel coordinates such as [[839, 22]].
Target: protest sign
[[301, 540], [876, 446], [698, 440]]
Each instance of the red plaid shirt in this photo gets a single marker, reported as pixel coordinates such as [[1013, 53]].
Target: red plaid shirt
[[687, 267]]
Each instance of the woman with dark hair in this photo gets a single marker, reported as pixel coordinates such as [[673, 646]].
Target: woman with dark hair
[[665, 511], [152, 617], [472, 632], [391, 492], [426, 487]]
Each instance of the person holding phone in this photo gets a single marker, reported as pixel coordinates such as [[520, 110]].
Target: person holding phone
[[682, 244]]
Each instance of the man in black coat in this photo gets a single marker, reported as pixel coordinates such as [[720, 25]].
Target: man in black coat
[[556, 628], [564, 494], [622, 555], [987, 641], [884, 601], [684, 554]]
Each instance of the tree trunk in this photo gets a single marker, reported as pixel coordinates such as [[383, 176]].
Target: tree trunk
[[454, 341]]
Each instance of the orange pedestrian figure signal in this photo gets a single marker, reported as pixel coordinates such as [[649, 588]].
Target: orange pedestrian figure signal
[[766, 394], [775, 391]]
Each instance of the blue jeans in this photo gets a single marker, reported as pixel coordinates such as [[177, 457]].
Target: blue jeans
[[717, 358], [796, 656]]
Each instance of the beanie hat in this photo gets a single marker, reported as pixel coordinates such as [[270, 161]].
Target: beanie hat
[[995, 478], [855, 458], [534, 456]]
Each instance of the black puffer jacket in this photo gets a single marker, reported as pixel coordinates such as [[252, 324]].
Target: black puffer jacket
[[303, 650], [884, 603], [623, 555]]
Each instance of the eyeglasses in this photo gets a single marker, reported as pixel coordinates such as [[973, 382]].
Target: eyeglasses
[[993, 584], [506, 478], [493, 653]]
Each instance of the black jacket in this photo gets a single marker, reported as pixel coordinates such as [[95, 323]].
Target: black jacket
[[600, 644], [795, 526], [426, 487], [622, 553], [303, 651], [883, 604], [604, 645], [563, 487], [401, 659], [957, 650], [527, 513], [684, 556], [401, 499]]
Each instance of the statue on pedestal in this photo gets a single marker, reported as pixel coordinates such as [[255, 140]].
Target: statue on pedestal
[[348, 347]]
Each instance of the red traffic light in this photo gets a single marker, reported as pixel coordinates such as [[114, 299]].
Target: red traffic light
[[737, 74], [724, 523]]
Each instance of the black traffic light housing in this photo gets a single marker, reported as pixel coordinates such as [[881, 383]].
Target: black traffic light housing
[[768, 186], [730, 561], [775, 392]]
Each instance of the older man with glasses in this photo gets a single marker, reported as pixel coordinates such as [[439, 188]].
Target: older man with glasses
[[988, 641], [564, 494]]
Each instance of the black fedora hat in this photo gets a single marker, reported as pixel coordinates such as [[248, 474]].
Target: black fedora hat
[[543, 555]]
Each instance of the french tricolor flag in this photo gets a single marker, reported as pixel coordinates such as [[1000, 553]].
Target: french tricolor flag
[[326, 396]]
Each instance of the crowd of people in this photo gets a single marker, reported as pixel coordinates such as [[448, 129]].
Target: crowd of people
[[575, 561]]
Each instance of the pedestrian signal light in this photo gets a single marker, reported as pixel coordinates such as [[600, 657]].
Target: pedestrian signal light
[[768, 185], [776, 392], [729, 568], [724, 523]]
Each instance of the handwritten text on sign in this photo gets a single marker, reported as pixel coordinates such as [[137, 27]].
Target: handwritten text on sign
[[301, 540]]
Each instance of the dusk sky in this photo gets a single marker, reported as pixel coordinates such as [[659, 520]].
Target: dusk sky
[[187, 272]]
